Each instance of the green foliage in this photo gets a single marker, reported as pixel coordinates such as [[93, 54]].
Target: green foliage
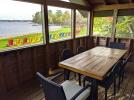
[[59, 17], [125, 27], [102, 26], [37, 18]]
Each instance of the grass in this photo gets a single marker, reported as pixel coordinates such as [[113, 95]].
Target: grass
[[36, 38], [63, 33], [21, 40], [83, 32]]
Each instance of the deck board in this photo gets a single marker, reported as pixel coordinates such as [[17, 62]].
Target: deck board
[[32, 91]]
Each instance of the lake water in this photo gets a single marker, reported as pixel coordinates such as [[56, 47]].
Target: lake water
[[19, 27], [10, 29]]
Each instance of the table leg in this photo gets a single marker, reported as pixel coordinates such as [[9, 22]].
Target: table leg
[[66, 74], [94, 90]]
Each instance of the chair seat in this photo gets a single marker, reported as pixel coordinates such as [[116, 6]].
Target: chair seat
[[71, 89]]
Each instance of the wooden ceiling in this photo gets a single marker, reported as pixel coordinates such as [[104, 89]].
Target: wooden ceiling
[[107, 2], [95, 5]]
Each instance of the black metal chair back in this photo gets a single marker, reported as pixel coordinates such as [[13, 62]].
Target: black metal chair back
[[52, 91], [126, 60], [80, 50], [66, 53], [117, 45]]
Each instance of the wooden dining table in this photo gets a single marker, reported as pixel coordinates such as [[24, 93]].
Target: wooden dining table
[[94, 63]]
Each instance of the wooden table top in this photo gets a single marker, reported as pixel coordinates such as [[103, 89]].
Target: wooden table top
[[95, 63]]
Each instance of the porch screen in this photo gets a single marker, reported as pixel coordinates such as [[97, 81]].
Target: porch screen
[[102, 26], [125, 24], [59, 23], [81, 23], [102, 23], [20, 24]]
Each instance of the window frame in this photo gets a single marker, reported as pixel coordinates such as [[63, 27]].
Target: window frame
[[88, 23], [116, 28], [100, 35], [8, 49], [70, 24]]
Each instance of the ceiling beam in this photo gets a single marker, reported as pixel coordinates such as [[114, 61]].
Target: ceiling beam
[[59, 4], [87, 3], [105, 2], [112, 2], [32, 1], [114, 6], [67, 5], [130, 1], [117, 1]]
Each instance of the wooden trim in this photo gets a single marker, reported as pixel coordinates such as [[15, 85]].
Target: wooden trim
[[45, 13], [47, 35], [73, 23], [67, 5], [2, 80], [114, 24], [130, 1], [59, 4], [117, 1], [33, 1], [91, 23], [114, 6], [105, 2], [87, 3]]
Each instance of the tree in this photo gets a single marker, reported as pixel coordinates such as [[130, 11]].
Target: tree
[[58, 17], [66, 17], [37, 18], [124, 27], [50, 16], [103, 26]]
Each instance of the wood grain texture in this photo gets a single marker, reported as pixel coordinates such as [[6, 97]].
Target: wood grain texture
[[114, 6], [95, 62]]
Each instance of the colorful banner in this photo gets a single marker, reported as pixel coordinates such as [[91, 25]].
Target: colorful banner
[[59, 36], [25, 40]]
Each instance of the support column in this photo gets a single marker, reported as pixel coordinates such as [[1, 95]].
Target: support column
[[46, 33], [114, 24]]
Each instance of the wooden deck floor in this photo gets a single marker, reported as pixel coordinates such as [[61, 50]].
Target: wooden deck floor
[[32, 91]]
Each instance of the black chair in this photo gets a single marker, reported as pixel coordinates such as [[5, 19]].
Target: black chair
[[121, 71], [66, 53], [107, 81], [80, 49], [117, 45], [65, 91]]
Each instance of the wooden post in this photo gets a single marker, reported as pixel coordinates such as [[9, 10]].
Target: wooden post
[[90, 26], [2, 82], [91, 19], [74, 29], [73, 23], [114, 24], [47, 35]]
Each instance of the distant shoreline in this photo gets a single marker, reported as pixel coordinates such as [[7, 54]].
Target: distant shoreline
[[16, 21]]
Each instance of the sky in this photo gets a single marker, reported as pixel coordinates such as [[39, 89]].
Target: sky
[[16, 10]]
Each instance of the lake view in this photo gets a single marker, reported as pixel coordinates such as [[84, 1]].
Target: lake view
[[14, 28]]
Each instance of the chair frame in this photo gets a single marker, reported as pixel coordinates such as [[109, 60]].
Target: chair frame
[[42, 80], [117, 45]]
